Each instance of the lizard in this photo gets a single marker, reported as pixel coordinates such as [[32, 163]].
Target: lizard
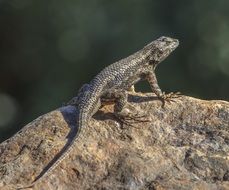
[[112, 83]]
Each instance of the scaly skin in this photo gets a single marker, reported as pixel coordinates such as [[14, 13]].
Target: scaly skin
[[112, 83]]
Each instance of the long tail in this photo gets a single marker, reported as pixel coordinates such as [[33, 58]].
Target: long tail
[[61, 155]]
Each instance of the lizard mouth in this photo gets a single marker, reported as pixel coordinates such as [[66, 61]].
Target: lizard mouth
[[165, 46], [160, 49], [169, 45], [174, 44]]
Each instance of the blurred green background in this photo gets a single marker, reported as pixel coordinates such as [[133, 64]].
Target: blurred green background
[[48, 49]]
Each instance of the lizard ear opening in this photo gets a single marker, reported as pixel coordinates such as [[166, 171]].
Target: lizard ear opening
[[153, 62]]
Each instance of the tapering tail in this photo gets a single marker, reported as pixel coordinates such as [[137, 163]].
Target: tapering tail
[[81, 121]]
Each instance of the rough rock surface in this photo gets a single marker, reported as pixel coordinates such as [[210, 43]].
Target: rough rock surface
[[185, 145]]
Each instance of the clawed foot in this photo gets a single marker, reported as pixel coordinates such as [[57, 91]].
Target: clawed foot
[[130, 119], [169, 97]]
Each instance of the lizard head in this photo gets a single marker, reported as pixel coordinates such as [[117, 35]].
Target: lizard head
[[159, 49]]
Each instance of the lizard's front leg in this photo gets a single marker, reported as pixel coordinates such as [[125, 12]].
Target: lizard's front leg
[[152, 79]]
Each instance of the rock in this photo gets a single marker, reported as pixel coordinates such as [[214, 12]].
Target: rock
[[183, 145]]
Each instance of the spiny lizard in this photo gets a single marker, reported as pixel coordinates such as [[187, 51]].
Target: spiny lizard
[[113, 82]]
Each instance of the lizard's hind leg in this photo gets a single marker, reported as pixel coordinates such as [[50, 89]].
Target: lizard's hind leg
[[120, 99]]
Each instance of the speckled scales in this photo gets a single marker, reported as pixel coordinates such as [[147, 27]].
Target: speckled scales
[[116, 78]]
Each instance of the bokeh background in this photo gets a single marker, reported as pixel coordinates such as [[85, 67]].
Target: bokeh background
[[48, 49]]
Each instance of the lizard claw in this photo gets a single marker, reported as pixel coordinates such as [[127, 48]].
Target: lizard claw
[[169, 97], [130, 119]]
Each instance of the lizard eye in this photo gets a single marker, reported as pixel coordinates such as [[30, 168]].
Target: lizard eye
[[163, 39]]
